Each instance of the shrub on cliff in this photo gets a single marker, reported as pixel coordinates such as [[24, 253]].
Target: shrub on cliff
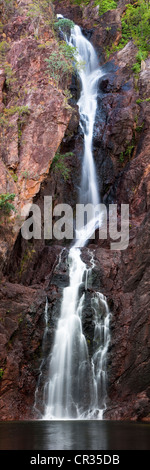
[[39, 8], [135, 26], [64, 25], [59, 165], [104, 5], [6, 205], [61, 63]]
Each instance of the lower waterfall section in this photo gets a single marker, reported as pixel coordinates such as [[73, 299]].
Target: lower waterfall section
[[99, 358], [69, 359], [73, 376]]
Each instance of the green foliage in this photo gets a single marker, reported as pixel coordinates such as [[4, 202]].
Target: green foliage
[[139, 128], [20, 319], [144, 100], [25, 174], [4, 47], [10, 74], [127, 154], [1, 27], [4, 122], [105, 5], [7, 112], [121, 158], [137, 19], [67, 94], [61, 63], [14, 176], [141, 55], [136, 68], [80, 2], [130, 148], [6, 205], [16, 109], [1, 373], [67, 50], [44, 45], [60, 166], [64, 24], [135, 26], [39, 9]]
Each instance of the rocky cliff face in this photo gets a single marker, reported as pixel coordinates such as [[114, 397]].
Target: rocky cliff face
[[30, 269], [34, 113]]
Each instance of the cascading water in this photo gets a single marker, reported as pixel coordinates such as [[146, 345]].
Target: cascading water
[[77, 383]]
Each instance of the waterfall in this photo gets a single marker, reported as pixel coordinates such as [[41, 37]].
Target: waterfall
[[89, 75], [76, 387]]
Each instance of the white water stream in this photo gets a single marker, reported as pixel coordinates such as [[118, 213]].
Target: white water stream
[[77, 383]]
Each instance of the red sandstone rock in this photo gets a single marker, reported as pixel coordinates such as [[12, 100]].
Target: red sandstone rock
[[122, 276], [30, 138]]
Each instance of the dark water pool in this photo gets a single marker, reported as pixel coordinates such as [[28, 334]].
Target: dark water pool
[[74, 435]]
